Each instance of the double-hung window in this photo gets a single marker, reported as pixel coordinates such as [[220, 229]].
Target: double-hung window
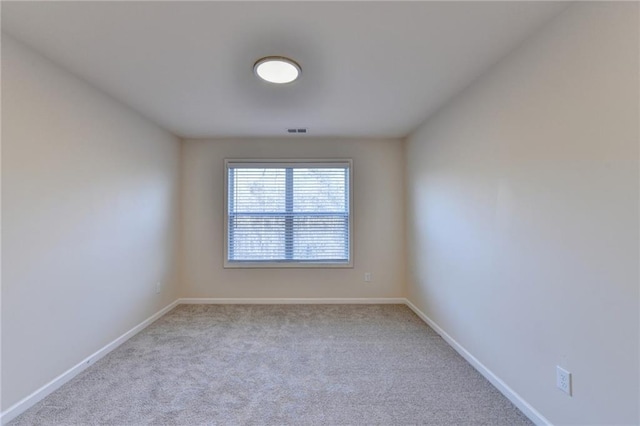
[[288, 213]]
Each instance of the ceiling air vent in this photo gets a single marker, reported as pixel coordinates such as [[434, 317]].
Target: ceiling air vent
[[296, 130]]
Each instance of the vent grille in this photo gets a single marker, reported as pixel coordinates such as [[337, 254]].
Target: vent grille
[[301, 130]]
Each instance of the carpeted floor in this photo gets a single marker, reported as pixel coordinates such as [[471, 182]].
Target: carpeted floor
[[279, 364]]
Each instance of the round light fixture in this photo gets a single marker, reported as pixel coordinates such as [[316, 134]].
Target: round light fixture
[[277, 69]]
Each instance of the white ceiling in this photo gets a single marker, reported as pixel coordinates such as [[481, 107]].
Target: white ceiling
[[373, 69]]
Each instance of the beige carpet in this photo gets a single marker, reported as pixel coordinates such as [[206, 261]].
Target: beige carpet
[[280, 364]]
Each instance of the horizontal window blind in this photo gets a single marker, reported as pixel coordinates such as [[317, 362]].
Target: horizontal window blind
[[288, 213]]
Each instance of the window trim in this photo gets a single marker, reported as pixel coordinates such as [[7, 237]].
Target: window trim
[[285, 163]]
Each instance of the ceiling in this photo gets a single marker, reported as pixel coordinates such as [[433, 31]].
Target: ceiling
[[374, 69]]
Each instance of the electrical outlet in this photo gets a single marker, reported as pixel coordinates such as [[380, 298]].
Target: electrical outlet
[[367, 277], [563, 380], [158, 287]]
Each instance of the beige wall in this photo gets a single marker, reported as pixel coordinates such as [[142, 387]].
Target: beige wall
[[377, 227], [523, 216], [89, 210]]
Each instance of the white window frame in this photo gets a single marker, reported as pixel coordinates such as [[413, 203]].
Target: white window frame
[[286, 163]]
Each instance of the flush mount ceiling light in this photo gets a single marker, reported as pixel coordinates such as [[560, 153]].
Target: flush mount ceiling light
[[277, 69]]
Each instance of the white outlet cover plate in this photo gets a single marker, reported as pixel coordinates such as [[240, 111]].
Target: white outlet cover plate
[[563, 380]]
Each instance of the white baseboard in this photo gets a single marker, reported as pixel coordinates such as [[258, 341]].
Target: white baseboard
[[291, 301], [516, 399], [24, 404]]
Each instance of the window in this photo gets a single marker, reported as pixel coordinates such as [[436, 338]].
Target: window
[[288, 213]]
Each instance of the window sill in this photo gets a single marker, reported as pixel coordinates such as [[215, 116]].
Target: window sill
[[287, 265]]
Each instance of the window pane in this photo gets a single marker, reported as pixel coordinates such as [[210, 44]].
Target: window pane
[[320, 238], [257, 190], [256, 238], [319, 190]]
